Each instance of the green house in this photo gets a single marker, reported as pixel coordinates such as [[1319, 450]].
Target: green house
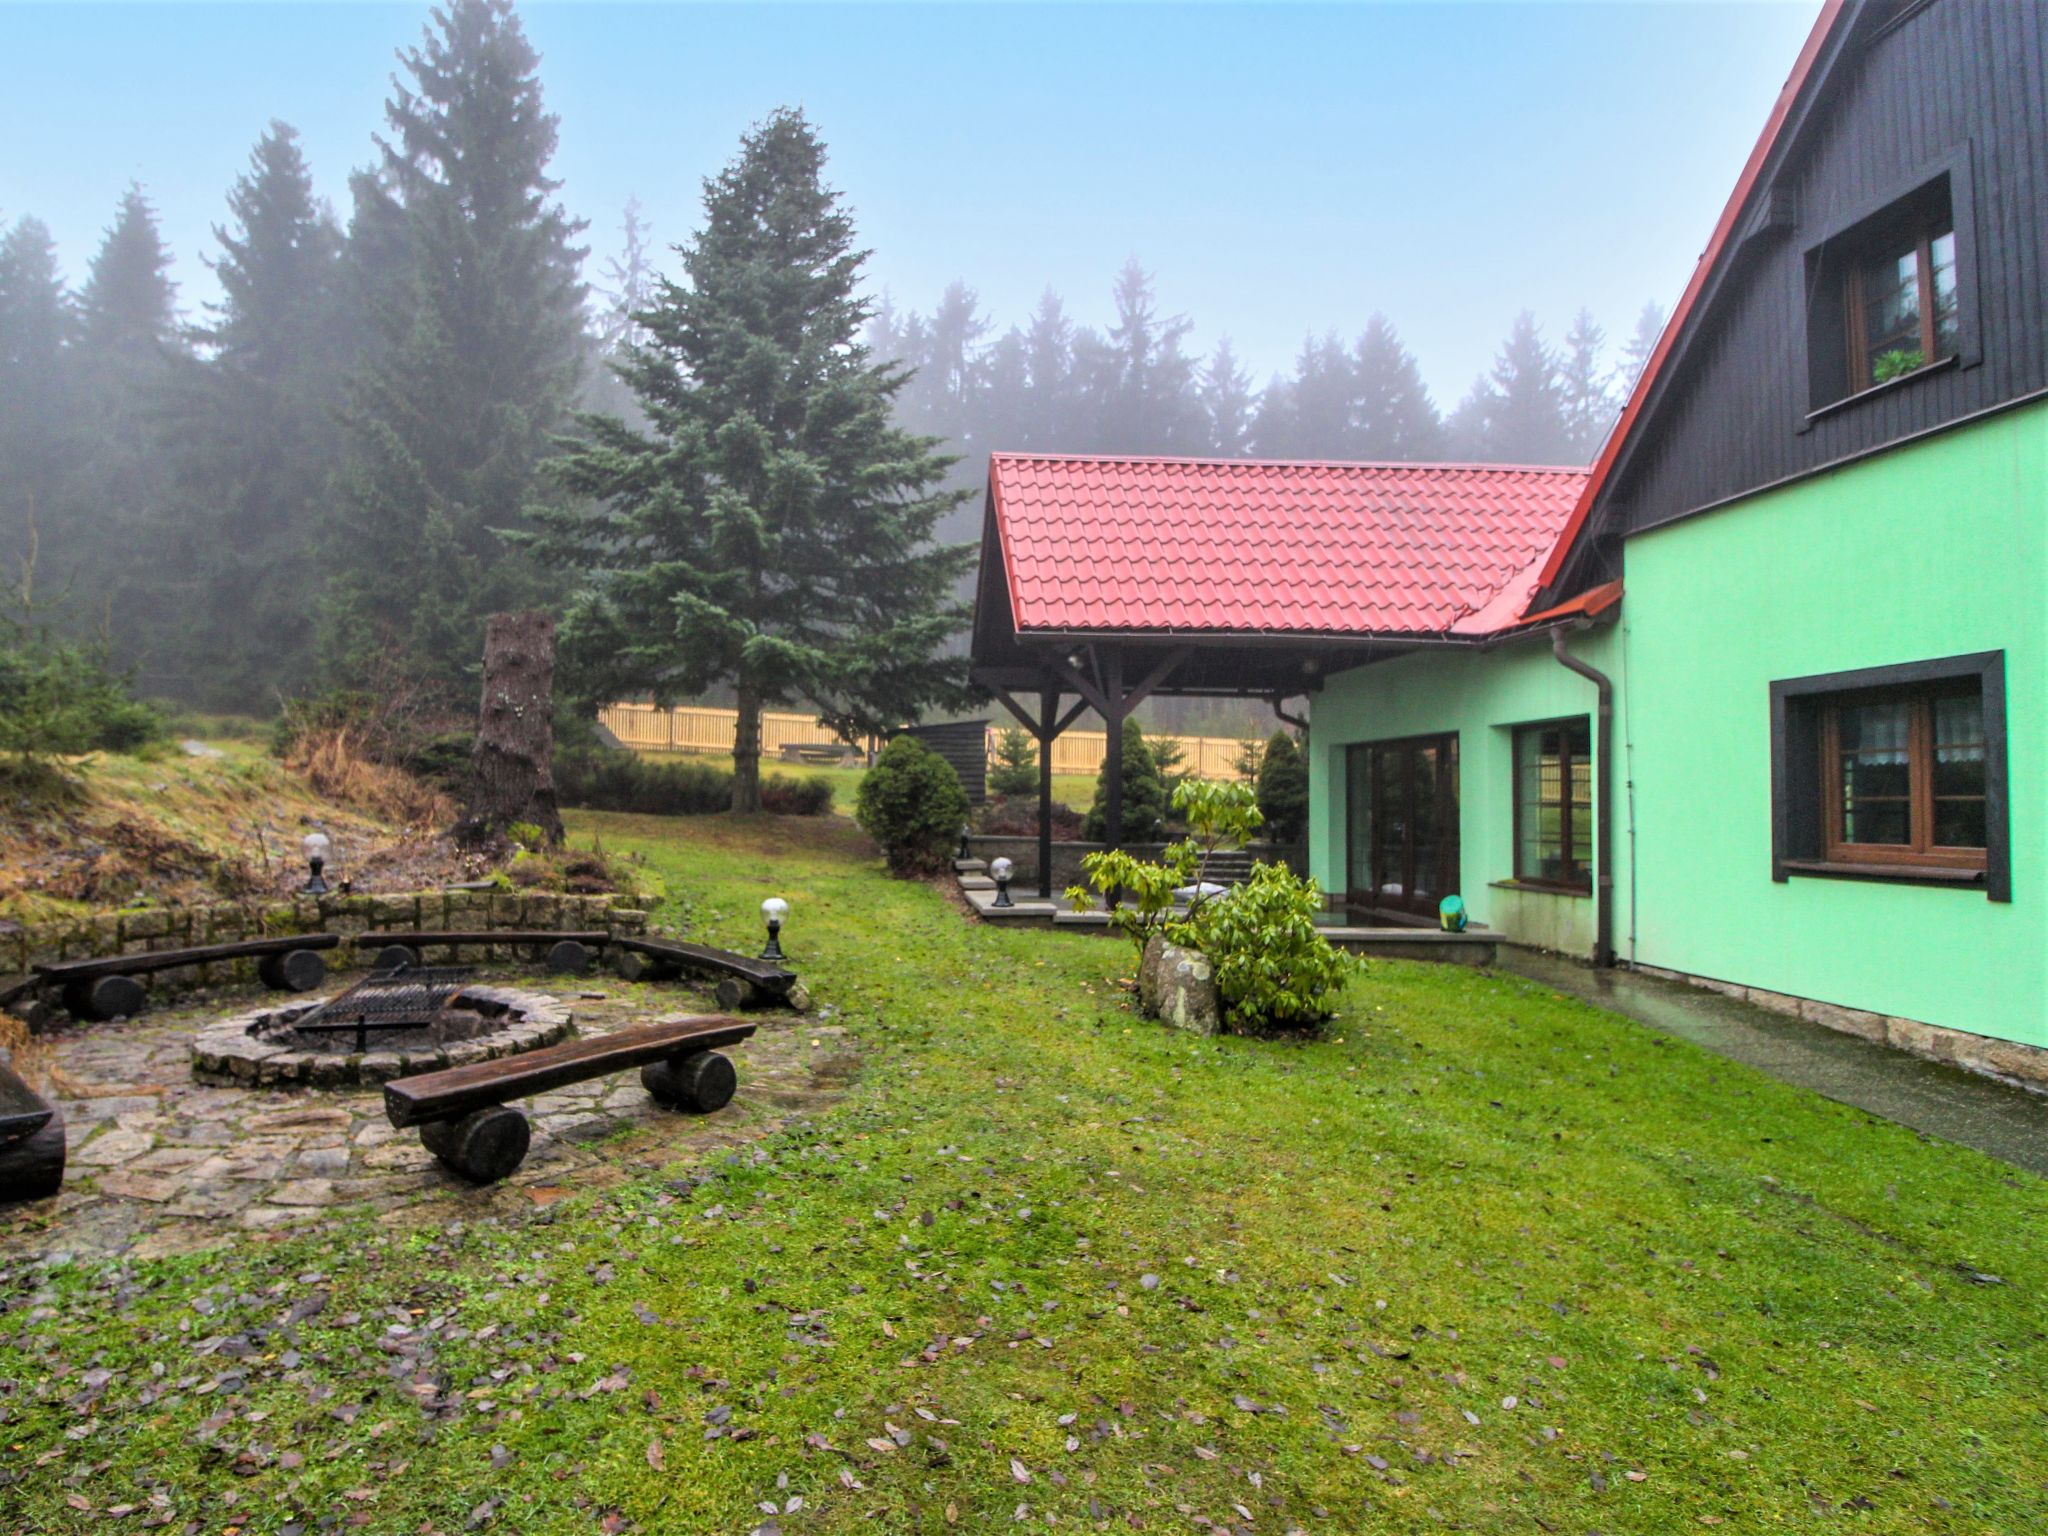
[[1793, 741], [1759, 700]]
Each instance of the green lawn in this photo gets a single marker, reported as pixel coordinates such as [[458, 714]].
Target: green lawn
[[1486, 1259]]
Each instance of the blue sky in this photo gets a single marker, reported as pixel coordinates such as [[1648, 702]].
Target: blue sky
[[1280, 168]]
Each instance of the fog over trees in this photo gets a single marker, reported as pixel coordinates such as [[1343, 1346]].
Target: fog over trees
[[309, 480]]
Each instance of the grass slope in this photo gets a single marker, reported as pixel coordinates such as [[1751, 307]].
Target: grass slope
[[1487, 1259], [165, 826]]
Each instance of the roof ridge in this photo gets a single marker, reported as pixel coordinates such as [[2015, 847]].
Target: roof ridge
[[1022, 457]]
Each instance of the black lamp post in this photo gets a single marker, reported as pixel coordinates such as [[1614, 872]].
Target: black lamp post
[[316, 846], [965, 852], [773, 911], [1001, 870]]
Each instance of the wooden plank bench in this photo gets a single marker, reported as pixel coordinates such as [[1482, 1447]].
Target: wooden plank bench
[[463, 1119], [106, 988], [31, 1141], [745, 978], [568, 953]]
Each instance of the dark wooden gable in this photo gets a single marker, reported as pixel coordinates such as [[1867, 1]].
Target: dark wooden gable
[[1903, 92]]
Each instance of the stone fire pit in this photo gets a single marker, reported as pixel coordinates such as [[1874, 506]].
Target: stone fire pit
[[257, 1049]]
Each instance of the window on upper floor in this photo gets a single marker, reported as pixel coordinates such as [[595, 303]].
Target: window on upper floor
[[1884, 296], [1554, 804], [1894, 772]]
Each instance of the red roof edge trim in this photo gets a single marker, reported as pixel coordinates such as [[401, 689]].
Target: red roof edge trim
[[1795, 83], [1589, 604]]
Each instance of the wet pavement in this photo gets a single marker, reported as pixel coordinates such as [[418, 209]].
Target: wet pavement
[[1931, 1097]]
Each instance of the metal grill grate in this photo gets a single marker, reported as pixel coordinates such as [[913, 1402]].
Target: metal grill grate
[[405, 997]]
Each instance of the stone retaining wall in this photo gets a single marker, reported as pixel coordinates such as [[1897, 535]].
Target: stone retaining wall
[[154, 928]]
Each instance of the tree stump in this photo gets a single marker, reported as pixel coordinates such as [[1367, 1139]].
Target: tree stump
[[483, 1146], [697, 1084], [512, 775]]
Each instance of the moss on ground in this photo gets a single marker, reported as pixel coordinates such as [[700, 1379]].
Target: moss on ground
[[1484, 1259]]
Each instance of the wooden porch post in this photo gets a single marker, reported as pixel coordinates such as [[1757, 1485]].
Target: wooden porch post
[[1048, 704], [1113, 694]]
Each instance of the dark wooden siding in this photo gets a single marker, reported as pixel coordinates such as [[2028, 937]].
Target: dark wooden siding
[[964, 744], [1956, 75]]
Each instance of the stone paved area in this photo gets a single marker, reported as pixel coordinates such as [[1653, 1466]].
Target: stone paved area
[[162, 1164]]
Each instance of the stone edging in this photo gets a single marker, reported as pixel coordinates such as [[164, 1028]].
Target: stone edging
[[229, 1052], [2008, 1060]]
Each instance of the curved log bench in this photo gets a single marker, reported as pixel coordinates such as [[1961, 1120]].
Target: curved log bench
[[463, 1118], [31, 1141], [744, 979], [568, 953], [106, 988]]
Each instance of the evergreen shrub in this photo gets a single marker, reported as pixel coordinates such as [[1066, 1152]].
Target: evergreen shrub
[[912, 804]]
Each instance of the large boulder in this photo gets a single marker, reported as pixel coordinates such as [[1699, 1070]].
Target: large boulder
[[1177, 985]]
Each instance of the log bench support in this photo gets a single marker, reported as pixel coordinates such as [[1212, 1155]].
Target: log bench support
[[565, 954], [743, 980], [463, 1119], [106, 988]]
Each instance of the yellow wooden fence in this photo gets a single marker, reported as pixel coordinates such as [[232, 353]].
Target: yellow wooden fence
[[693, 728]]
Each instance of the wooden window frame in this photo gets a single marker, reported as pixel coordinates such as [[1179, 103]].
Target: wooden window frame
[[1574, 887], [1804, 760], [1919, 849], [1856, 313]]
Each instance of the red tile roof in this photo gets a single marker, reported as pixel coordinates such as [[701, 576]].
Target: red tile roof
[[1191, 545]]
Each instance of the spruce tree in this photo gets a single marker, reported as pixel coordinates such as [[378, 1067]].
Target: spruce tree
[[1227, 403], [1393, 419], [1582, 383], [1523, 403], [128, 310], [770, 530], [1144, 799], [1051, 425], [253, 440], [38, 425], [1282, 788], [116, 489], [1311, 418], [1635, 355], [467, 273], [1137, 382]]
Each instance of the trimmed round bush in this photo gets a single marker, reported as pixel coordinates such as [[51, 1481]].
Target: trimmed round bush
[[912, 804]]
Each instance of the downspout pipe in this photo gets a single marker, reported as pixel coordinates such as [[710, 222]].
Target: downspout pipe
[[1603, 808]]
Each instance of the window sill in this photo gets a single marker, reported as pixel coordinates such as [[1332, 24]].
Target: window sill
[[1543, 888], [1894, 874], [1926, 371]]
